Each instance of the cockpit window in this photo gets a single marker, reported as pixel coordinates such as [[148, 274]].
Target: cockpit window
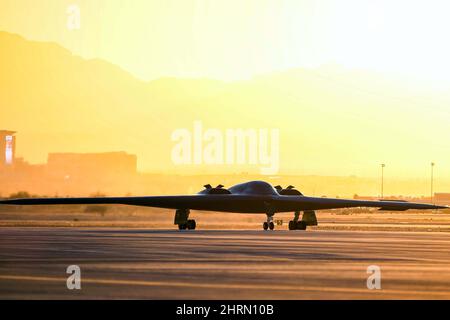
[[253, 187]]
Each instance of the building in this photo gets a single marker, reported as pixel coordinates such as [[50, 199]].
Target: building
[[65, 173], [7, 147]]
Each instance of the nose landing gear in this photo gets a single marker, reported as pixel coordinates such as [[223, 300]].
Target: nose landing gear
[[269, 223]]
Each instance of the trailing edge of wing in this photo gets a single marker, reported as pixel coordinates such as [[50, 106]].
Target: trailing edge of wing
[[310, 203]]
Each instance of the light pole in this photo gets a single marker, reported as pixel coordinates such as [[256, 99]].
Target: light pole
[[432, 195], [382, 180]]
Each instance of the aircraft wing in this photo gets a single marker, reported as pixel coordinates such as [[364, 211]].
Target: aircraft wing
[[229, 203], [170, 202], [289, 203]]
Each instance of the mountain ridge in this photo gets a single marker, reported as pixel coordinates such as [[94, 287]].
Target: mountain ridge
[[62, 102]]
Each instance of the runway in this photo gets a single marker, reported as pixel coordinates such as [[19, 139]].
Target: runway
[[222, 264]]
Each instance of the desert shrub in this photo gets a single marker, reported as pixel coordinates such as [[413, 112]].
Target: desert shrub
[[96, 209], [98, 194], [20, 194]]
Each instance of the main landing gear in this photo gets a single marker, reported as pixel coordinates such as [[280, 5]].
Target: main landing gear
[[181, 219], [295, 224], [190, 225], [299, 225]]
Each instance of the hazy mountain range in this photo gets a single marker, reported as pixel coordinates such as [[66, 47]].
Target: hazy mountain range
[[332, 121]]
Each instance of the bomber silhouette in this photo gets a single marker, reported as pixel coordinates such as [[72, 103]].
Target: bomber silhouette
[[248, 197]]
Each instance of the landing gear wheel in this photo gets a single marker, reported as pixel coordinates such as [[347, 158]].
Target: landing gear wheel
[[271, 226], [301, 225], [265, 226], [297, 225], [292, 225], [182, 226], [191, 224]]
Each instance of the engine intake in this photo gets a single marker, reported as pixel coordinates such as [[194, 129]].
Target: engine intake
[[217, 190], [289, 191]]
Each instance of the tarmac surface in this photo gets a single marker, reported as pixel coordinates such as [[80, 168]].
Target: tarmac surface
[[222, 264]]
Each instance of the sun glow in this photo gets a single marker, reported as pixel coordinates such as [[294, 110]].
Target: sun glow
[[349, 83], [393, 36], [232, 40]]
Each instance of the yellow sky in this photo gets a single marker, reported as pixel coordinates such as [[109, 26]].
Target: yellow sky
[[235, 39]]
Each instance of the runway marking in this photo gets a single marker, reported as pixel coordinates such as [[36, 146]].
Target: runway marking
[[226, 286]]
